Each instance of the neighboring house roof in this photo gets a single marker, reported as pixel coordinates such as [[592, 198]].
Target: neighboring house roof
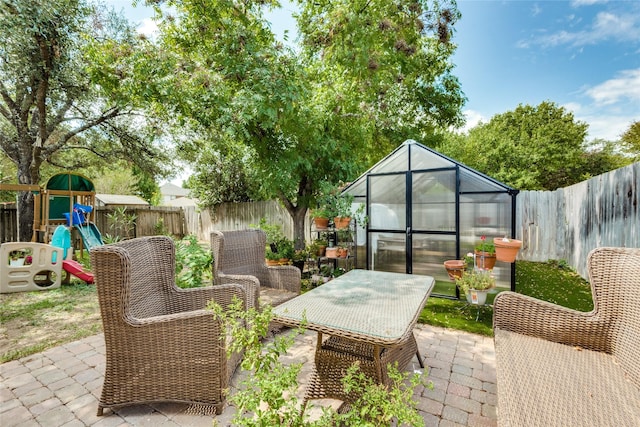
[[170, 189], [181, 202], [119, 199]]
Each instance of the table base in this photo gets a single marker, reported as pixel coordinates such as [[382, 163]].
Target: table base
[[336, 354]]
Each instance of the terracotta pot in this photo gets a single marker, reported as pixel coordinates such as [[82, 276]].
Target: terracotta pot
[[272, 262], [454, 267], [507, 251], [331, 252], [321, 223], [341, 222], [343, 252], [321, 250], [485, 261]]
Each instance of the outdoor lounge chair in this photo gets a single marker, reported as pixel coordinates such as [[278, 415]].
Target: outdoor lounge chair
[[161, 343], [239, 257], [560, 367]]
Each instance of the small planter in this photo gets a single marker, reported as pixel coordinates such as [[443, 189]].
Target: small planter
[[454, 268], [332, 252], [19, 262], [341, 222], [272, 262], [477, 297], [485, 260], [321, 223], [321, 250], [507, 249], [342, 252]]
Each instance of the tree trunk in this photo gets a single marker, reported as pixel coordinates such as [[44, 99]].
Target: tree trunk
[[26, 175], [298, 215]]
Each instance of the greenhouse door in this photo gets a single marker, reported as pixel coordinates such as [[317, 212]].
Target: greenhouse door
[[413, 219]]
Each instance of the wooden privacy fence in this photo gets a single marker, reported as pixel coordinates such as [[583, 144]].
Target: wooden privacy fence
[[568, 223], [563, 224]]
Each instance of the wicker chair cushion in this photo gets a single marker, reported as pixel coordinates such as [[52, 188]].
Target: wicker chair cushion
[[542, 383]]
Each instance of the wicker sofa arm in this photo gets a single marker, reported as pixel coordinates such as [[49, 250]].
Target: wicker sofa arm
[[285, 277], [250, 284], [530, 316]]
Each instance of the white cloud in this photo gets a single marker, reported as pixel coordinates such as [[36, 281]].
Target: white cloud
[[472, 119], [578, 3], [148, 27], [605, 26], [625, 86]]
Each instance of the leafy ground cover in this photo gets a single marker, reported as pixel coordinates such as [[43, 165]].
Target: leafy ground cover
[[34, 321]]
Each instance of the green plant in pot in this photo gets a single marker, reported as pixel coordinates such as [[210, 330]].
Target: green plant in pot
[[320, 217], [475, 284], [485, 252]]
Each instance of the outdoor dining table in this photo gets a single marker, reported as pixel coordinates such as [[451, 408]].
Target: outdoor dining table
[[368, 317]]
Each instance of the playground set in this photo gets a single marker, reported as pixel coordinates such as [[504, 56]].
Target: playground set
[[65, 204]]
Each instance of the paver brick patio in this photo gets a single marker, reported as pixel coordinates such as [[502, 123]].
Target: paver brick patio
[[61, 386]]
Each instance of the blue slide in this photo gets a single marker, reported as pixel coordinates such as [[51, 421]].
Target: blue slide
[[90, 234]]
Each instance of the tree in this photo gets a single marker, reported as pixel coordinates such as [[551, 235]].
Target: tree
[[631, 139], [48, 103], [530, 148], [365, 75]]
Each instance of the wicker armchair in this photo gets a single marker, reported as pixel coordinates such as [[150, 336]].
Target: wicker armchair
[[238, 257], [561, 367], [161, 343]]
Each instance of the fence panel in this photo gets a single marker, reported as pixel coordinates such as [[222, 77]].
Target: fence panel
[[568, 223], [8, 223]]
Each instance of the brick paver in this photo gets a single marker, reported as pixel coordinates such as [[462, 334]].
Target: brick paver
[[61, 386]]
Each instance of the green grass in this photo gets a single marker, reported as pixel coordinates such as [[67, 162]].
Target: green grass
[[549, 281]]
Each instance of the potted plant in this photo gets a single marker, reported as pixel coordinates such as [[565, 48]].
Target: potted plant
[[331, 252], [485, 254], [506, 249], [342, 211], [342, 252], [475, 285], [454, 268], [320, 217]]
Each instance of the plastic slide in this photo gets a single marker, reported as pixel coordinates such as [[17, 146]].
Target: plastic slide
[[75, 268], [90, 234], [61, 239]]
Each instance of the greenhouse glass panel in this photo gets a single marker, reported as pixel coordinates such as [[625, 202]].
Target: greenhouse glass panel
[[388, 207], [429, 254], [473, 182], [396, 161], [433, 201], [388, 252], [425, 159]]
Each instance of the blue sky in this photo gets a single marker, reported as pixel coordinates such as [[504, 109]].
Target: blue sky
[[583, 55]]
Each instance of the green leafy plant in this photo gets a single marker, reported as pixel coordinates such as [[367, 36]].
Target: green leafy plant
[[193, 263], [486, 246], [478, 280], [268, 397], [121, 223]]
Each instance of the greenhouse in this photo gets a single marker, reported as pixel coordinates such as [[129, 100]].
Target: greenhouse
[[423, 209]]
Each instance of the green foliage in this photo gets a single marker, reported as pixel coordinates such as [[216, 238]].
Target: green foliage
[[268, 397], [486, 246], [631, 140], [193, 263], [354, 88], [121, 223], [478, 280], [278, 246], [53, 112], [529, 148]]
